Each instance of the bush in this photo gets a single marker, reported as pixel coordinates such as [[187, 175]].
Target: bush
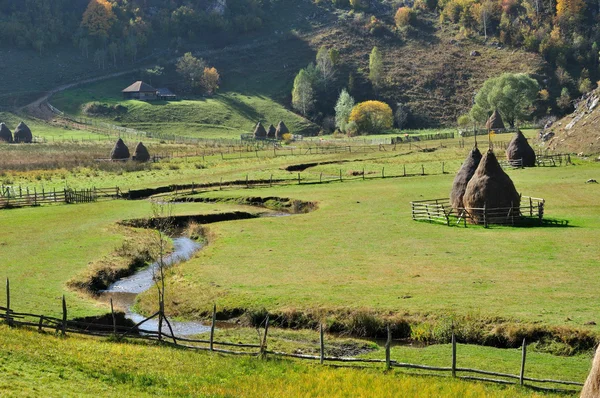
[[372, 117], [101, 109], [404, 17]]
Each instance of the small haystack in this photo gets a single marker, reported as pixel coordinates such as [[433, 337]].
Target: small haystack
[[281, 130], [463, 177], [591, 388], [23, 134], [141, 153], [492, 188], [120, 151], [519, 148], [495, 122], [272, 132], [259, 132], [5, 134]]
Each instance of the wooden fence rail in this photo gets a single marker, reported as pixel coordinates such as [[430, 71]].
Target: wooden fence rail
[[64, 326], [11, 198]]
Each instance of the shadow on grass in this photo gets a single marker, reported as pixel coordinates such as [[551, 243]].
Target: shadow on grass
[[239, 107]]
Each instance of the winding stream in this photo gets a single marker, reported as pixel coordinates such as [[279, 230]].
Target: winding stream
[[125, 290]]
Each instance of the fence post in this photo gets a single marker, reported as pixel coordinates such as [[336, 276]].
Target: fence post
[[247, 186], [8, 320], [271, 181], [341, 175], [404, 171], [263, 344], [453, 354], [114, 318], [298, 178], [321, 177], [530, 207], [363, 173], [485, 222], [383, 172], [388, 345], [64, 319], [422, 170], [212, 326], [523, 356], [443, 172], [322, 344]]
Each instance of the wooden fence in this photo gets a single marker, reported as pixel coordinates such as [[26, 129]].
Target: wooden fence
[[11, 197], [441, 211], [63, 326]]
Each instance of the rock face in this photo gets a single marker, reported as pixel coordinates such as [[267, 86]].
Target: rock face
[[578, 132]]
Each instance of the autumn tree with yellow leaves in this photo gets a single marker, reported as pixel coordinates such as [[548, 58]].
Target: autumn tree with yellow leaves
[[98, 19]]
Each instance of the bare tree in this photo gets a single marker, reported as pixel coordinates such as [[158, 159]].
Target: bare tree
[[325, 65]]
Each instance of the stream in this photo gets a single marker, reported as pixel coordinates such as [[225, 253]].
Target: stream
[[124, 291]]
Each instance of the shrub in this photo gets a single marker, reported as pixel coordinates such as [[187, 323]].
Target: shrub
[[404, 17], [463, 121], [372, 117]]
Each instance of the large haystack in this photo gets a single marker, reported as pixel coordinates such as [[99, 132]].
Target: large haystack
[[281, 130], [141, 153], [271, 132], [492, 188], [5, 134], [463, 177], [495, 122], [259, 132], [591, 389], [519, 148], [120, 151], [23, 134]]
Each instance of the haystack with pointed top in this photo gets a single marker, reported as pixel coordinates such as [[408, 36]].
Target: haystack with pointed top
[[495, 122], [22, 134], [141, 153], [120, 151], [519, 148], [271, 132], [5, 134], [259, 132], [281, 130], [463, 177], [490, 188]]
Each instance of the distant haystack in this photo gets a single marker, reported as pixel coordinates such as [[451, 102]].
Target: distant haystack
[[259, 132], [463, 177], [495, 122], [281, 130], [23, 134], [5, 134], [492, 188], [120, 151], [272, 132], [141, 153], [591, 389], [519, 148]]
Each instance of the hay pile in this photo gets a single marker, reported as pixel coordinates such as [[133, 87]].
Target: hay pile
[[591, 388], [141, 153], [271, 132], [495, 122], [463, 177], [281, 130], [23, 134], [120, 151], [491, 187], [5, 134], [519, 148], [259, 132]]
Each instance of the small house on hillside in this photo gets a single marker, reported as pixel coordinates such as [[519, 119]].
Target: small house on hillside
[[140, 90], [165, 94]]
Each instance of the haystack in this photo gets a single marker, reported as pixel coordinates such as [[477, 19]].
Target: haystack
[[259, 132], [23, 134], [495, 122], [591, 388], [141, 153], [519, 148], [492, 188], [5, 134], [271, 132], [281, 130], [463, 177], [120, 151]]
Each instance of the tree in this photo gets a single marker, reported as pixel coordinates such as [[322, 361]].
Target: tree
[[372, 117], [210, 80], [564, 101], [113, 50], [325, 65], [302, 93], [191, 69], [569, 8], [404, 17], [154, 72], [376, 67], [98, 18], [401, 115], [512, 94], [343, 107]]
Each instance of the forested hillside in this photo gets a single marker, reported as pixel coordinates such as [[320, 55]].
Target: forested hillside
[[434, 54]]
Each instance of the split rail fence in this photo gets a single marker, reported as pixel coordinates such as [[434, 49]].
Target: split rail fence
[[11, 197], [441, 211], [63, 326]]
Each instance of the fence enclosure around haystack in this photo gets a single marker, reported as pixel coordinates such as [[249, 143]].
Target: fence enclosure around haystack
[[441, 211], [112, 329], [19, 197]]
